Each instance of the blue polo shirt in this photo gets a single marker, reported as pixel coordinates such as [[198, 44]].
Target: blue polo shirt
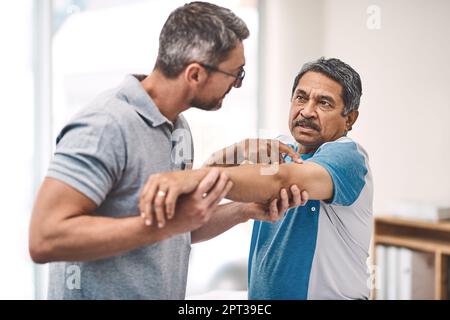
[[319, 251]]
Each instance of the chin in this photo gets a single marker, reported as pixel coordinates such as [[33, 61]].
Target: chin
[[208, 107], [215, 107], [306, 141], [302, 139]]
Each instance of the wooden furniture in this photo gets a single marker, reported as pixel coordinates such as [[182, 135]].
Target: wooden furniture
[[418, 235]]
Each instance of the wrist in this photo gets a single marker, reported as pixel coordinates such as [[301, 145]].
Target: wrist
[[189, 180]]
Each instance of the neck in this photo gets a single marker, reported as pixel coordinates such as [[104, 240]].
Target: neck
[[306, 149], [168, 95]]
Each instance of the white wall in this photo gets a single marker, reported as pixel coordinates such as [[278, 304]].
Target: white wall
[[405, 108], [286, 42]]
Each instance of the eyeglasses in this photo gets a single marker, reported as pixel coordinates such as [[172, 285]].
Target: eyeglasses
[[239, 77]]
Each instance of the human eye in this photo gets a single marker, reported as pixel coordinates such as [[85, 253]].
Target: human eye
[[324, 104], [301, 98]]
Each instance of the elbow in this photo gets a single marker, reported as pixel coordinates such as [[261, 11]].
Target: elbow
[[40, 246], [282, 177], [39, 251], [289, 175]]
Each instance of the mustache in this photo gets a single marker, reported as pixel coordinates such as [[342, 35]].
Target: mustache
[[306, 123]]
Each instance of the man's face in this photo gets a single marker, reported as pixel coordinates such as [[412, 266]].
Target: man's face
[[316, 111], [220, 84]]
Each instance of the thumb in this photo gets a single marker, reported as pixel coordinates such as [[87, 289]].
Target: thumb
[[286, 149]]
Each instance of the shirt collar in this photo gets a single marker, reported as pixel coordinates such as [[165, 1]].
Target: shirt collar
[[133, 92]]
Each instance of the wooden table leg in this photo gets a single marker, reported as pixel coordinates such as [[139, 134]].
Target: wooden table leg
[[440, 277]]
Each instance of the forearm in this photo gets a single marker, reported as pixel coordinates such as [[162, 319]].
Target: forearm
[[85, 238], [251, 183], [224, 218], [254, 183], [262, 183]]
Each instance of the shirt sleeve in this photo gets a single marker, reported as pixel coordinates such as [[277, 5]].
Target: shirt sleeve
[[347, 168], [90, 155]]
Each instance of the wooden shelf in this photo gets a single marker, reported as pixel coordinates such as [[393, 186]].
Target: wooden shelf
[[425, 236], [432, 225], [414, 244]]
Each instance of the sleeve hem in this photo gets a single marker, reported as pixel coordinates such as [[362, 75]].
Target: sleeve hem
[[76, 184]]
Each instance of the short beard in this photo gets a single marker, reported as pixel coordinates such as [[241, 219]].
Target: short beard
[[209, 106]]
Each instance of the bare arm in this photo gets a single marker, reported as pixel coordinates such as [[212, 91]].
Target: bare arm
[[63, 227], [251, 151], [251, 183]]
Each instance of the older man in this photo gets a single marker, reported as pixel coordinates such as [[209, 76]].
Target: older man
[[318, 251]]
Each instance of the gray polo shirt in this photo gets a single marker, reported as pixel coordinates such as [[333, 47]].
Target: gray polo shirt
[[107, 152]]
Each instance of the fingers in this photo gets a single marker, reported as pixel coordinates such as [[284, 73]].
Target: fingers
[[290, 152], [227, 189], [296, 196], [284, 202], [305, 197], [215, 193], [273, 210], [171, 201], [146, 201], [159, 207], [158, 198], [208, 181]]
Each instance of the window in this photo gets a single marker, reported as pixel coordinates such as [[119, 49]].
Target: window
[[16, 162]]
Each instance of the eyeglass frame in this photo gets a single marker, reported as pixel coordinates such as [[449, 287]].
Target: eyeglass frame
[[239, 77]]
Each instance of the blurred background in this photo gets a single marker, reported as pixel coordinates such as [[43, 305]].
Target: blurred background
[[57, 55]]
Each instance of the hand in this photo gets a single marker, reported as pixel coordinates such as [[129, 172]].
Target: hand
[[277, 208], [194, 210], [252, 151], [159, 195]]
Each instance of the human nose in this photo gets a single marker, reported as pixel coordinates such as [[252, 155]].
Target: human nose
[[308, 110]]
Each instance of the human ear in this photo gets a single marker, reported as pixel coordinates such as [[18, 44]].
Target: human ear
[[351, 119], [195, 74]]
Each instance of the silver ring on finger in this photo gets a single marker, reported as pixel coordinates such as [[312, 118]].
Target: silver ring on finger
[[161, 193]]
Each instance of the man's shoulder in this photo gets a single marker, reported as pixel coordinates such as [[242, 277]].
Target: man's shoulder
[[106, 114], [109, 107], [343, 145]]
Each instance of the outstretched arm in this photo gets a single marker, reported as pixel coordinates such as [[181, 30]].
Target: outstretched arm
[[251, 183], [257, 183], [64, 226]]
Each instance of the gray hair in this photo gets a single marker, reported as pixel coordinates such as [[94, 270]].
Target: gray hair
[[341, 72], [198, 32]]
